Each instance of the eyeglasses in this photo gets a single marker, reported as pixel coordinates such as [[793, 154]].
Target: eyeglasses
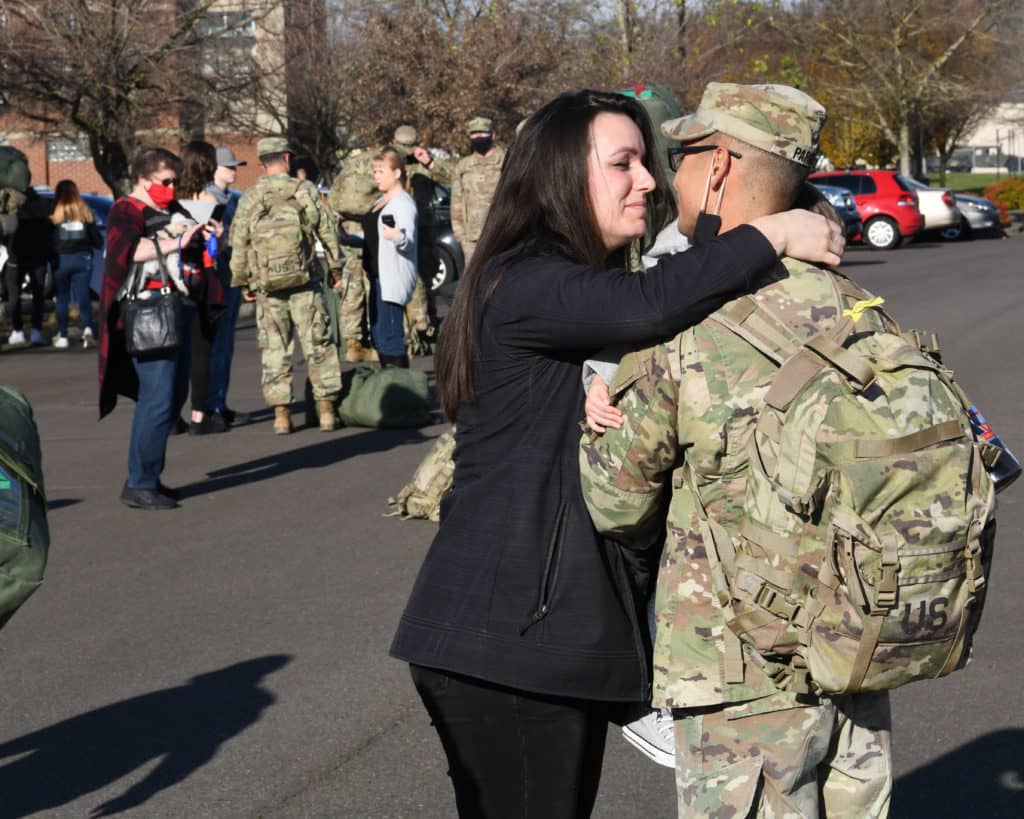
[[677, 155], [165, 182]]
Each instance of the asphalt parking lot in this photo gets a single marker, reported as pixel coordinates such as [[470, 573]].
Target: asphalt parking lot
[[229, 659]]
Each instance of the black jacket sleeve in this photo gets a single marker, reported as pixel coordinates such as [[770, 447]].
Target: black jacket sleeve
[[553, 302]]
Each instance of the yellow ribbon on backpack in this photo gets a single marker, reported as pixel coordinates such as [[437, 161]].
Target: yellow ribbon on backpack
[[857, 311]]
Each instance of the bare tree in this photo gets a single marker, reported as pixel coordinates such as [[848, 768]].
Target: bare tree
[[115, 71], [892, 61]]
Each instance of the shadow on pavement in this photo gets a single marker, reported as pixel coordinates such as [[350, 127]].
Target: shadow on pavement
[[182, 727], [326, 451], [985, 777], [60, 503]]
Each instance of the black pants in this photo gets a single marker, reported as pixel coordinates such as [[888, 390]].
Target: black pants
[[513, 754], [14, 275], [203, 333]]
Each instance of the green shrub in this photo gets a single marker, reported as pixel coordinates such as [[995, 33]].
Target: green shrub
[[1008, 195]]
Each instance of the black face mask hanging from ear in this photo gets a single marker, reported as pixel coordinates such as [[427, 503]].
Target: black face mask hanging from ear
[[708, 224]]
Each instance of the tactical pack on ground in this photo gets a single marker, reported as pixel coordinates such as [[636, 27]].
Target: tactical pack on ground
[[282, 246], [862, 560], [24, 534], [421, 497]]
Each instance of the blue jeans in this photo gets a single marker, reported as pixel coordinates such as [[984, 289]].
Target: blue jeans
[[223, 351], [71, 280], [387, 331], [163, 388]]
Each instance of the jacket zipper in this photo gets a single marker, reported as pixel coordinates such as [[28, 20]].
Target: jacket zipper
[[550, 572]]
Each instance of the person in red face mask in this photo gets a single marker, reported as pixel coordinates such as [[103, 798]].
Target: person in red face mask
[[159, 385]]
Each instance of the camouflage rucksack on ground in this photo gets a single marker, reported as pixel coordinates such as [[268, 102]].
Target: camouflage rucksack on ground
[[24, 534], [282, 246], [421, 497], [863, 557]]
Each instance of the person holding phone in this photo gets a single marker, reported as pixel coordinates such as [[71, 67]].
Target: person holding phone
[[198, 164], [389, 231]]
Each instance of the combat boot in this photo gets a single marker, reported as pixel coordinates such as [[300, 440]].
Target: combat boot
[[328, 421], [282, 420], [356, 352]]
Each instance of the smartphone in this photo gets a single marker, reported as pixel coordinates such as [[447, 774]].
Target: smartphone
[[388, 220], [218, 213]]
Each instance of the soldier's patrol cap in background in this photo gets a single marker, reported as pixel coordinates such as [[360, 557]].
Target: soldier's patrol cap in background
[[227, 158], [775, 118], [481, 125], [272, 145], [405, 136]]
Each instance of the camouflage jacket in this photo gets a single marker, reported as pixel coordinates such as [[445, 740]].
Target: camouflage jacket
[[473, 185], [692, 403], [354, 191], [319, 218]]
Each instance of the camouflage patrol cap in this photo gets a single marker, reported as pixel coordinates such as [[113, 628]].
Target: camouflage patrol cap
[[405, 136], [268, 146], [481, 125], [775, 118]]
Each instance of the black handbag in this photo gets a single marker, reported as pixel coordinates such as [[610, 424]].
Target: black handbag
[[153, 319]]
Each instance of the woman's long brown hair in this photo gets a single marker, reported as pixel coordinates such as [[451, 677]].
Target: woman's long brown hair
[[537, 207]]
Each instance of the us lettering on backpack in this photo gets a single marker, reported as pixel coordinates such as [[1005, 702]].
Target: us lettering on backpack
[[282, 250], [862, 560]]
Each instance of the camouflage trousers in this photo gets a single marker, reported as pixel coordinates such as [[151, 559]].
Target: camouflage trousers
[[353, 298], [280, 319], [833, 759], [417, 311]]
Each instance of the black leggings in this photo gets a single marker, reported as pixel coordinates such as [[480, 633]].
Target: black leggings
[[203, 333], [514, 754]]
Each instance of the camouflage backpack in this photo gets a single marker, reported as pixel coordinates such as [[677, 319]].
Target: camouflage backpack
[[24, 534], [862, 560], [282, 246], [421, 497]]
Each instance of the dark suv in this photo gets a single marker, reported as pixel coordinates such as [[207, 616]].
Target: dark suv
[[886, 201]]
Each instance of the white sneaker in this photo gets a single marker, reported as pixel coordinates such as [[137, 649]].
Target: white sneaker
[[36, 339], [60, 342], [654, 736], [16, 337], [87, 339]]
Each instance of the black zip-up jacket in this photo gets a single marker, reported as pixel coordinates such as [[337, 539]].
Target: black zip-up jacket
[[517, 587]]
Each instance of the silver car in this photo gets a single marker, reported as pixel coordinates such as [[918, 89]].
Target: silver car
[[976, 213]]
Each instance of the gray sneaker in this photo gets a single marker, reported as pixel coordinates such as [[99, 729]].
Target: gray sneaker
[[654, 736]]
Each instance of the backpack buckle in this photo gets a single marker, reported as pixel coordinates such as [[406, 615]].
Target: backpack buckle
[[886, 589]]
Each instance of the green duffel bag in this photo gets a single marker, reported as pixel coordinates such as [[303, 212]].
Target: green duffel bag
[[24, 534], [385, 397]]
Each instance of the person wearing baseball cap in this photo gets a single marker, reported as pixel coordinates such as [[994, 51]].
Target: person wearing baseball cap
[[473, 183], [748, 741], [223, 350]]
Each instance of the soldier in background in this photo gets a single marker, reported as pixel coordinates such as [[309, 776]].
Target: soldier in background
[[352, 196], [299, 311], [744, 745], [473, 184]]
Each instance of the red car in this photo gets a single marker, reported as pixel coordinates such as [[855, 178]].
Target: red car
[[887, 203]]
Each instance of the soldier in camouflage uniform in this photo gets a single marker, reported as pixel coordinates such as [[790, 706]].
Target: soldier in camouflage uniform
[[282, 315], [689, 407], [352, 196], [473, 184]]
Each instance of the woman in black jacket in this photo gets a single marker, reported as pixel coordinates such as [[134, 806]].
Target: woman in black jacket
[[76, 238], [522, 629]]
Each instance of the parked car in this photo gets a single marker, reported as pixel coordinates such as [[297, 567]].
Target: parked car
[[886, 201], [842, 200], [976, 213], [937, 206], [447, 251]]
